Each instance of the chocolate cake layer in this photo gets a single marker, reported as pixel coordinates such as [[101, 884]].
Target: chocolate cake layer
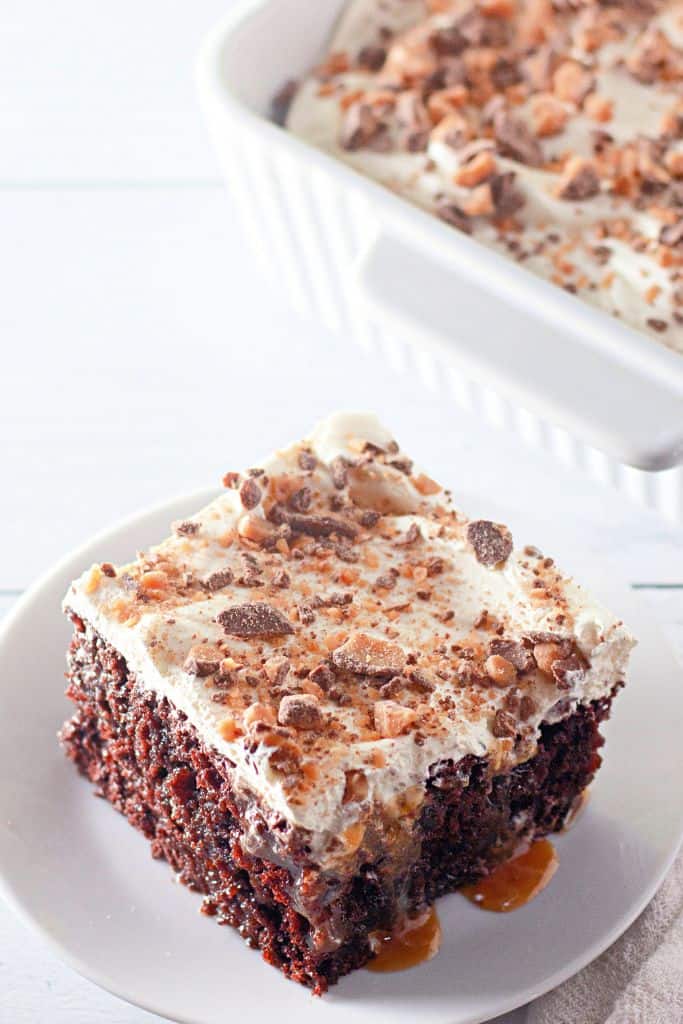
[[147, 759]]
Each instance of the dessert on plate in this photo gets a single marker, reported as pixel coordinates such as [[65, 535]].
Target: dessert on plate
[[329, 697], [550, 130]]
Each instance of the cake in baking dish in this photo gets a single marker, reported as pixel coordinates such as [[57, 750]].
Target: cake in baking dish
[[550, 130], [330, 697]]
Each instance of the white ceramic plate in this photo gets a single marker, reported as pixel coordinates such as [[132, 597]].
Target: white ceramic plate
[[76, 871]]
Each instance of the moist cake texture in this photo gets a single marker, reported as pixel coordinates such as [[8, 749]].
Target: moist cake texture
[[550, 130], [329, 697]]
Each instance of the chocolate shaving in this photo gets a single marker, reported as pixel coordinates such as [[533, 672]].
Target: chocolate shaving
[[361, 127], [345, 552], [448, 41], [507, 198], [514, 652], [479, 30], [369, 518], [453, 215], [306, 614], [186, 528], [338, 599], [300, 501], [312, 525], [672, 234], [250, 493], [515, 140], [387, 581], [579, 181], [371, 57], [254, 619], [505, 72], [219, 579], [403, 465], [307, 461], [492, 543], [339, 471], [282, 101]]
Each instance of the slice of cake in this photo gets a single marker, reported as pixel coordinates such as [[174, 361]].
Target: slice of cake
[[329, 697]]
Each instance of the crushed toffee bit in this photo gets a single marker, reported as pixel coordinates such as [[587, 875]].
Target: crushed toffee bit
[[202, 661], [392, 688], [391, 719], [527, 707], [277, 669], [323, 676], [579, 180], [411, 536], [231, 480], [306, 614], [504, 724], [281, 579], [307, 460], [300, 711], [501, 671], [362, 654], [387, 581]]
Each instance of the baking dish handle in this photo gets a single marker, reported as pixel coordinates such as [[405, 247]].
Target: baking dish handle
[[590, 391]]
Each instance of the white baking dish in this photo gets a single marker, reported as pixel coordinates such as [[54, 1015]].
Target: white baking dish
[[512, 347]]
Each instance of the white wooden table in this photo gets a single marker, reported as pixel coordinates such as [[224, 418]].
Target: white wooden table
[[138, 342]]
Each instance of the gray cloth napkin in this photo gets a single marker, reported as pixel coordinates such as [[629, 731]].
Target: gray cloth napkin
[[639, 980]]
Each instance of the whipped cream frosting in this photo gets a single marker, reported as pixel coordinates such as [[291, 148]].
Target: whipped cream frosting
[[550, 131], [333, 626]]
